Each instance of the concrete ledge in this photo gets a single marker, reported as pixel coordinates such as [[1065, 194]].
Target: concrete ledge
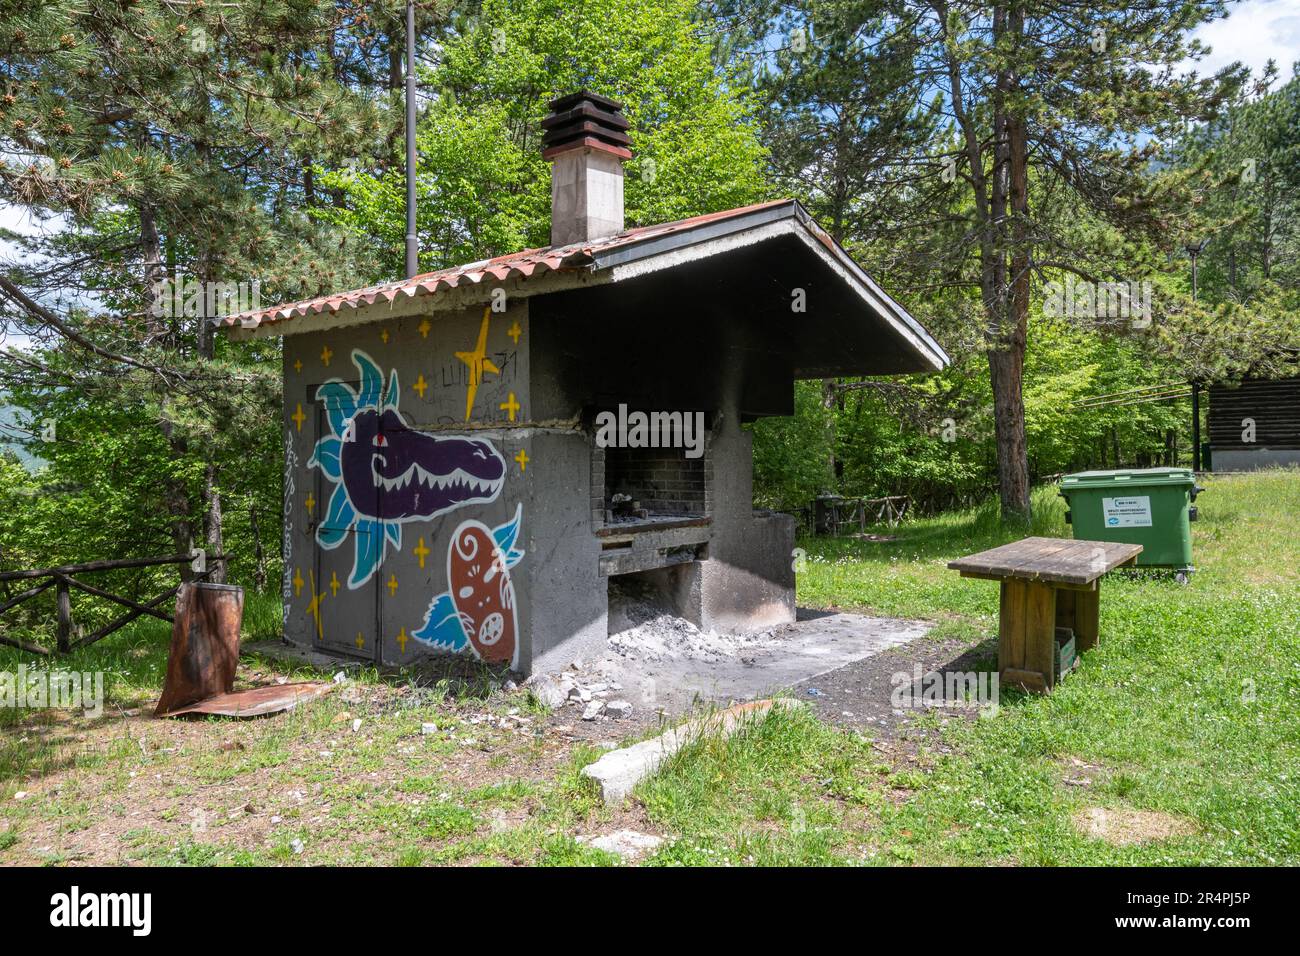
[[619, 771]]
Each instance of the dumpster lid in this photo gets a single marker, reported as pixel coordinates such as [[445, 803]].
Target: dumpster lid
[[1129, 477]]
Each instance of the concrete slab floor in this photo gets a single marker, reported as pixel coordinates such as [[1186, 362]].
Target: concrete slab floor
[[698, 671], [815, 644]]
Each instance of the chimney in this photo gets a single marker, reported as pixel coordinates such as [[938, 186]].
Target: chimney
[[586, 142]]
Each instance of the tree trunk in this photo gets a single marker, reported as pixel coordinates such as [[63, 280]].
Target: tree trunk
[[212, 504], [177, 501], [1006, 281], [828, 404], [155, 307], [1006, 368], [259, 553], [1013, 455]]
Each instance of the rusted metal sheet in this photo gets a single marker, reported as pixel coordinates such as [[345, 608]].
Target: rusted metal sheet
[[257, 702], [515, 265], [205, 644]]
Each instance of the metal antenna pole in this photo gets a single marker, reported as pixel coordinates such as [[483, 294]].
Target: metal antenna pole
[[412, 242]]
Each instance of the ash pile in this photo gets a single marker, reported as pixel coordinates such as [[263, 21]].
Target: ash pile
[[642, 627]]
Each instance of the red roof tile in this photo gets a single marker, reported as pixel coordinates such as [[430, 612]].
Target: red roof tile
[[518, 264]]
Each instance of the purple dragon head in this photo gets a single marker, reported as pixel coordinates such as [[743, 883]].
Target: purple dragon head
[[393, 472]]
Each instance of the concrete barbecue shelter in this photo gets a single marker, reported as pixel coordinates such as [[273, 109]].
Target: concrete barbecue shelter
[[444, 491]]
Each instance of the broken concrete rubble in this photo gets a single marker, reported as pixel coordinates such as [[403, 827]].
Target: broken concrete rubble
[[569, 688], [619, 771]]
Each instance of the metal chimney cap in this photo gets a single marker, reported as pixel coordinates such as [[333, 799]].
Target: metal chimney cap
[[569, 100], [585, 120]]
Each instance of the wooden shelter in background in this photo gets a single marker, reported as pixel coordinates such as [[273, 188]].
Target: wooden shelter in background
[[1254, 424]]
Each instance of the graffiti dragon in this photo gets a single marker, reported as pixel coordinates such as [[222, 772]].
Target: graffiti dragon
[[385, 473]]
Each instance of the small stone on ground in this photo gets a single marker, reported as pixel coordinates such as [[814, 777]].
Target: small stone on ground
[[628, 844]]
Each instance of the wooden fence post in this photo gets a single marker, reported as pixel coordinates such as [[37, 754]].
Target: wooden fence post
[[63, 607]]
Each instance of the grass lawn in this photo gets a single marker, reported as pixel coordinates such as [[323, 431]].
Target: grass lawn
[[1181, 728], [1176, 741]]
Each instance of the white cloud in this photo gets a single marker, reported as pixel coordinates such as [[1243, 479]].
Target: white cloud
[[1254, 32]]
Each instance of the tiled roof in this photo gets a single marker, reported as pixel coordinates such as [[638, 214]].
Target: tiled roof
[[515, 265]]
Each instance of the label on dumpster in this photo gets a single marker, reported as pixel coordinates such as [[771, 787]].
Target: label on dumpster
[[1127, 512]]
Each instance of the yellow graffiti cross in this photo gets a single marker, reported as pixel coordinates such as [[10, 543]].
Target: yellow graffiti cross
[[523, 460], [384, 335], [297, 582], [361, 641], [310, 502], [326, 355], [424, 328], [511, 406], [392, 585], [314, 608], [334, 583], [515, 331], [478, 363], [297, 365], [402, 639], [420, 385], [421, 551], [299, 417]]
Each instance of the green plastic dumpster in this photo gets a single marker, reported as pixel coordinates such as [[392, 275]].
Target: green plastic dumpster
[[1147, 506]]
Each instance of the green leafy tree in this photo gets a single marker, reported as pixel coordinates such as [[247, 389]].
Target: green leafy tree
[[483, 187]]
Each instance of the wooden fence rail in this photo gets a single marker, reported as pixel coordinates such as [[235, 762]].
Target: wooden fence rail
[[833, 513], [64, 583]]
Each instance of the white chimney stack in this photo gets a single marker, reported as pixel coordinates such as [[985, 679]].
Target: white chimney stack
[[586, 142]]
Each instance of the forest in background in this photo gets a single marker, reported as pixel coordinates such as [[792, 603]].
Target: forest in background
[[261, 143]]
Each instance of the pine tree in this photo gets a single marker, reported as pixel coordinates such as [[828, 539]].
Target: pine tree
[[169, 142]]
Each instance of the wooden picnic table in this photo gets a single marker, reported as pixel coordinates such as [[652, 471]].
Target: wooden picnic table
[[1046, 583]]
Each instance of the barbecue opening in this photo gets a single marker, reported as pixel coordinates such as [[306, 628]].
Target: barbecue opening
[[649, 485]]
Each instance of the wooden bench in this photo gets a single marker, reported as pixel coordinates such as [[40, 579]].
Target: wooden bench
[[1046, 583]]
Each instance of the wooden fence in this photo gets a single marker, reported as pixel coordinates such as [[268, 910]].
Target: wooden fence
[[833, 514], [63, 582]]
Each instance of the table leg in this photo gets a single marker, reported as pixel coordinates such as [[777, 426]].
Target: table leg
[[1027, 634], [1011, 630], [1087, 608]]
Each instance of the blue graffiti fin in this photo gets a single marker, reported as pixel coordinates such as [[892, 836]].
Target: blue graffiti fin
[[372, 380], [505, 536], [326, 457], [370, 549], [340, 403], [338, 519], [442, 626]]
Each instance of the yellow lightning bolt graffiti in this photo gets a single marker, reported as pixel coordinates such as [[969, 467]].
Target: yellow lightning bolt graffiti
[[478, 363]]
